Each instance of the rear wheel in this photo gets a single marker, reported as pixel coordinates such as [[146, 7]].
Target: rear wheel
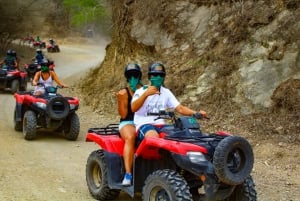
[[244, 192], [97, 178], [166, 185], [233, 160], [72, 127], [58, 108], [29, 125]]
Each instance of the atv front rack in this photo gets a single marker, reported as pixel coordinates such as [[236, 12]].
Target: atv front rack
[[110, 129]]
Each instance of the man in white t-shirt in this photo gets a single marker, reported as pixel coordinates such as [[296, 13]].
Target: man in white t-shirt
[[152, 99]]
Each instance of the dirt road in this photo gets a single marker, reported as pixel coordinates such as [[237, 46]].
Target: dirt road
[[50, 168]]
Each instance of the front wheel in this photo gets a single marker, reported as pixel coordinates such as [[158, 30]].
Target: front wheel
[[29, 125], [72, 127], [97, 178], [166, 185], [244, 192]]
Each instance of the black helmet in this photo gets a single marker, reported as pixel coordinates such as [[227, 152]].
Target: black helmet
[[133, 69], [156, 69]]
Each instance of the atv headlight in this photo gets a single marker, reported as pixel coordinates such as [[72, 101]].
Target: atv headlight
[[10, 75], [41, 105], [196, 157]]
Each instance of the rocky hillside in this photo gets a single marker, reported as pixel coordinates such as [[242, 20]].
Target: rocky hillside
[[238, 60]]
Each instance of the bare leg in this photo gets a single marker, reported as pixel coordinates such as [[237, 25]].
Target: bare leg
[[128, 134]]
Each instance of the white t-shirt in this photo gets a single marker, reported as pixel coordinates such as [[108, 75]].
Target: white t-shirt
[[154, 103]]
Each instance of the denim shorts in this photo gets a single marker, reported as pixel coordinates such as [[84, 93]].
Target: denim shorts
[[144, 129], [124, 123]]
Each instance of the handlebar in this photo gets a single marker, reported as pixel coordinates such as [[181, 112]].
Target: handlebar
[[162, 114]]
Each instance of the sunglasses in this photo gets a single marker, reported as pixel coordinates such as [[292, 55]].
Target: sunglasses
[[157, 74], [133, 74]]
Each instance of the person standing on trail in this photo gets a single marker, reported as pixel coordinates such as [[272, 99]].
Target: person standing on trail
[[133, 75], [152, 99]]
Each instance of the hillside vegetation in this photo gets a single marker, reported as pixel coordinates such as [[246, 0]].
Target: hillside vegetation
[[238, 60]]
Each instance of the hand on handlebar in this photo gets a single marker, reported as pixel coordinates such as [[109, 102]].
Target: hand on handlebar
[[200, 115]]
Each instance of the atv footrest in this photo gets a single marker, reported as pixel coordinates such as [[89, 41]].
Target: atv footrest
[[111, 129]]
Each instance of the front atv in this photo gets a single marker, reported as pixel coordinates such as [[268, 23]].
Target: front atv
[[50, 111], [183, 164]]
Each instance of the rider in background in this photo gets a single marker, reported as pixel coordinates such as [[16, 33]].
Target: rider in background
[[14, 54], [133, 75], [39, 57], [46, 77], [51, 41], [10, 60], [152, 99]]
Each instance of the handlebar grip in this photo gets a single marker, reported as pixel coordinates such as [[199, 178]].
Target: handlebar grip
[[198, 115]]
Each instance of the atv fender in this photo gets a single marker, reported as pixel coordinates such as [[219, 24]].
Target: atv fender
[[150, 146], [23, 75], [109, 143]]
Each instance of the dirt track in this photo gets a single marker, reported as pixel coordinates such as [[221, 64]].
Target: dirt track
[[52, 168]]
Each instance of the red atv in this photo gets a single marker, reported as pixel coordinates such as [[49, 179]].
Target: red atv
[[50, 111], [184, 164], [53, 48], [12, 79], [28, 39], [38, 44], [32, 68]]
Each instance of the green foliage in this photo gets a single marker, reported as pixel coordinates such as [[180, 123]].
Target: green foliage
[[84, 12]]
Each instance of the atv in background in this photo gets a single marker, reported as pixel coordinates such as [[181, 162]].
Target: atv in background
[[12, 79], [183, 164], [50, 111], [32, 68], [53, 48], [38, 44]]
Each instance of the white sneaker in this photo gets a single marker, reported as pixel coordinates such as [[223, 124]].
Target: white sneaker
[[127, 180]]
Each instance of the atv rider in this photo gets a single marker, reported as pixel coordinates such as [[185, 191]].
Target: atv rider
[[155, 98], [133, 75], [14, 54], [52, 42], [10, 60], [46, 77], [39, 57]]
